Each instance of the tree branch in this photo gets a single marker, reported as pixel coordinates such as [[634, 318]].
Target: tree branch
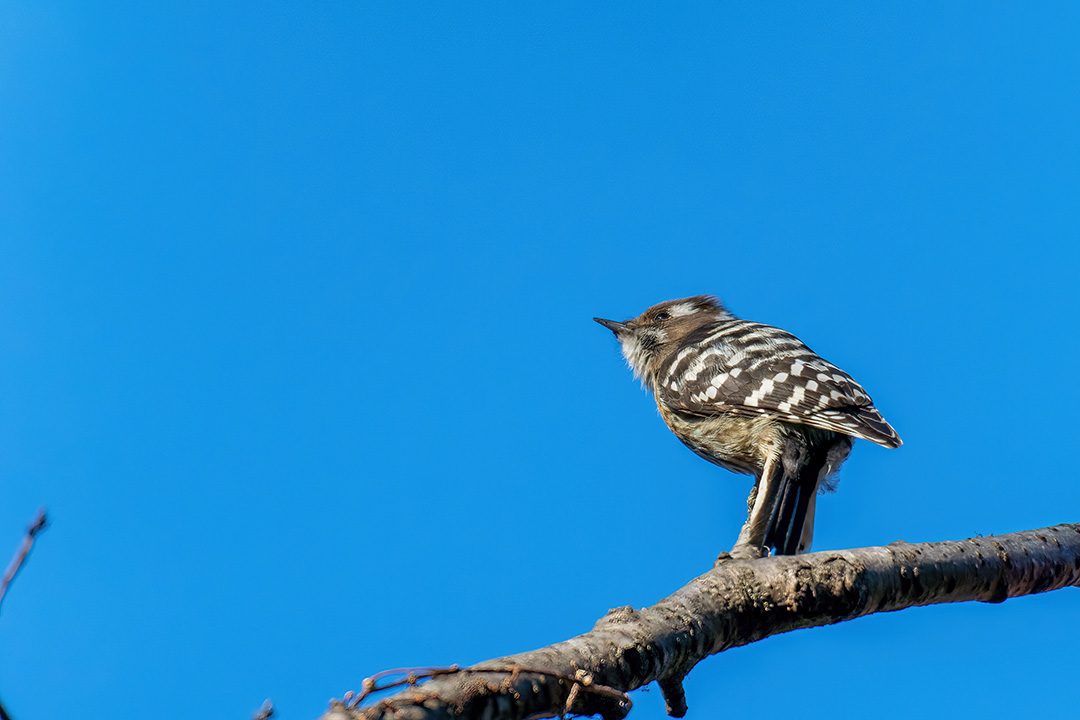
[[736, 603]]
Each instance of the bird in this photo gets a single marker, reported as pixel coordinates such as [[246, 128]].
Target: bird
[[752, 399]]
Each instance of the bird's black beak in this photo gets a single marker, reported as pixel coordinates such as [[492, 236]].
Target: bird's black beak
[[612, 325]]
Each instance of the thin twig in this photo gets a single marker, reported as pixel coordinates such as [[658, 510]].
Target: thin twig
[[39, 524], [582, 680], [412, 675]]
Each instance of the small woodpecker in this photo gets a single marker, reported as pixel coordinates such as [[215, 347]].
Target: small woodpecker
[[753, 399]]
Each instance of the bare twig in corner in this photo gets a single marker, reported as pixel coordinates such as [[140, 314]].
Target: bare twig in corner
[[39, 524], [266, 711]]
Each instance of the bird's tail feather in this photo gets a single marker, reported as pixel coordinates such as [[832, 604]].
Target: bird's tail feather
[[793, 510]]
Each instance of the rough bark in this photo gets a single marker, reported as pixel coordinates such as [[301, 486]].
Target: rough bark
[[736, 603]]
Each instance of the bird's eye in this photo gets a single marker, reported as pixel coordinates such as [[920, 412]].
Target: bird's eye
[[661, 316]]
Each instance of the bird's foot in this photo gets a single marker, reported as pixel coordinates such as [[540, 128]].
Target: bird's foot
[[743, 552]]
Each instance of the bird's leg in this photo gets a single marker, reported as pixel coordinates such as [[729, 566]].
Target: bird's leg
[[750, 499], [751, 542]]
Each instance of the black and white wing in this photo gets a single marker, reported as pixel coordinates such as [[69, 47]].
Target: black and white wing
[[749, 368]]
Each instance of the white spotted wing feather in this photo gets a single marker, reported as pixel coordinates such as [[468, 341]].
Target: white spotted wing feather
[[749, 368]]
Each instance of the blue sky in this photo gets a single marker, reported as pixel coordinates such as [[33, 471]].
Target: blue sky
[[296, 338]]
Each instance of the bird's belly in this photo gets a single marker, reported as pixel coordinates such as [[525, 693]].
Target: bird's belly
[[736, 443], [727, 462]]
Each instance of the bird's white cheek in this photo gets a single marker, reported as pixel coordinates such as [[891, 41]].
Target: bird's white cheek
[[637, 354], [634, 354]]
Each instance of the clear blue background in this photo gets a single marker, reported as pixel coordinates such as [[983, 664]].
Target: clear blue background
[[296, 340]]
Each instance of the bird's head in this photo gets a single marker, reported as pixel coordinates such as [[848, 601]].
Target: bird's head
[[647, 339]]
